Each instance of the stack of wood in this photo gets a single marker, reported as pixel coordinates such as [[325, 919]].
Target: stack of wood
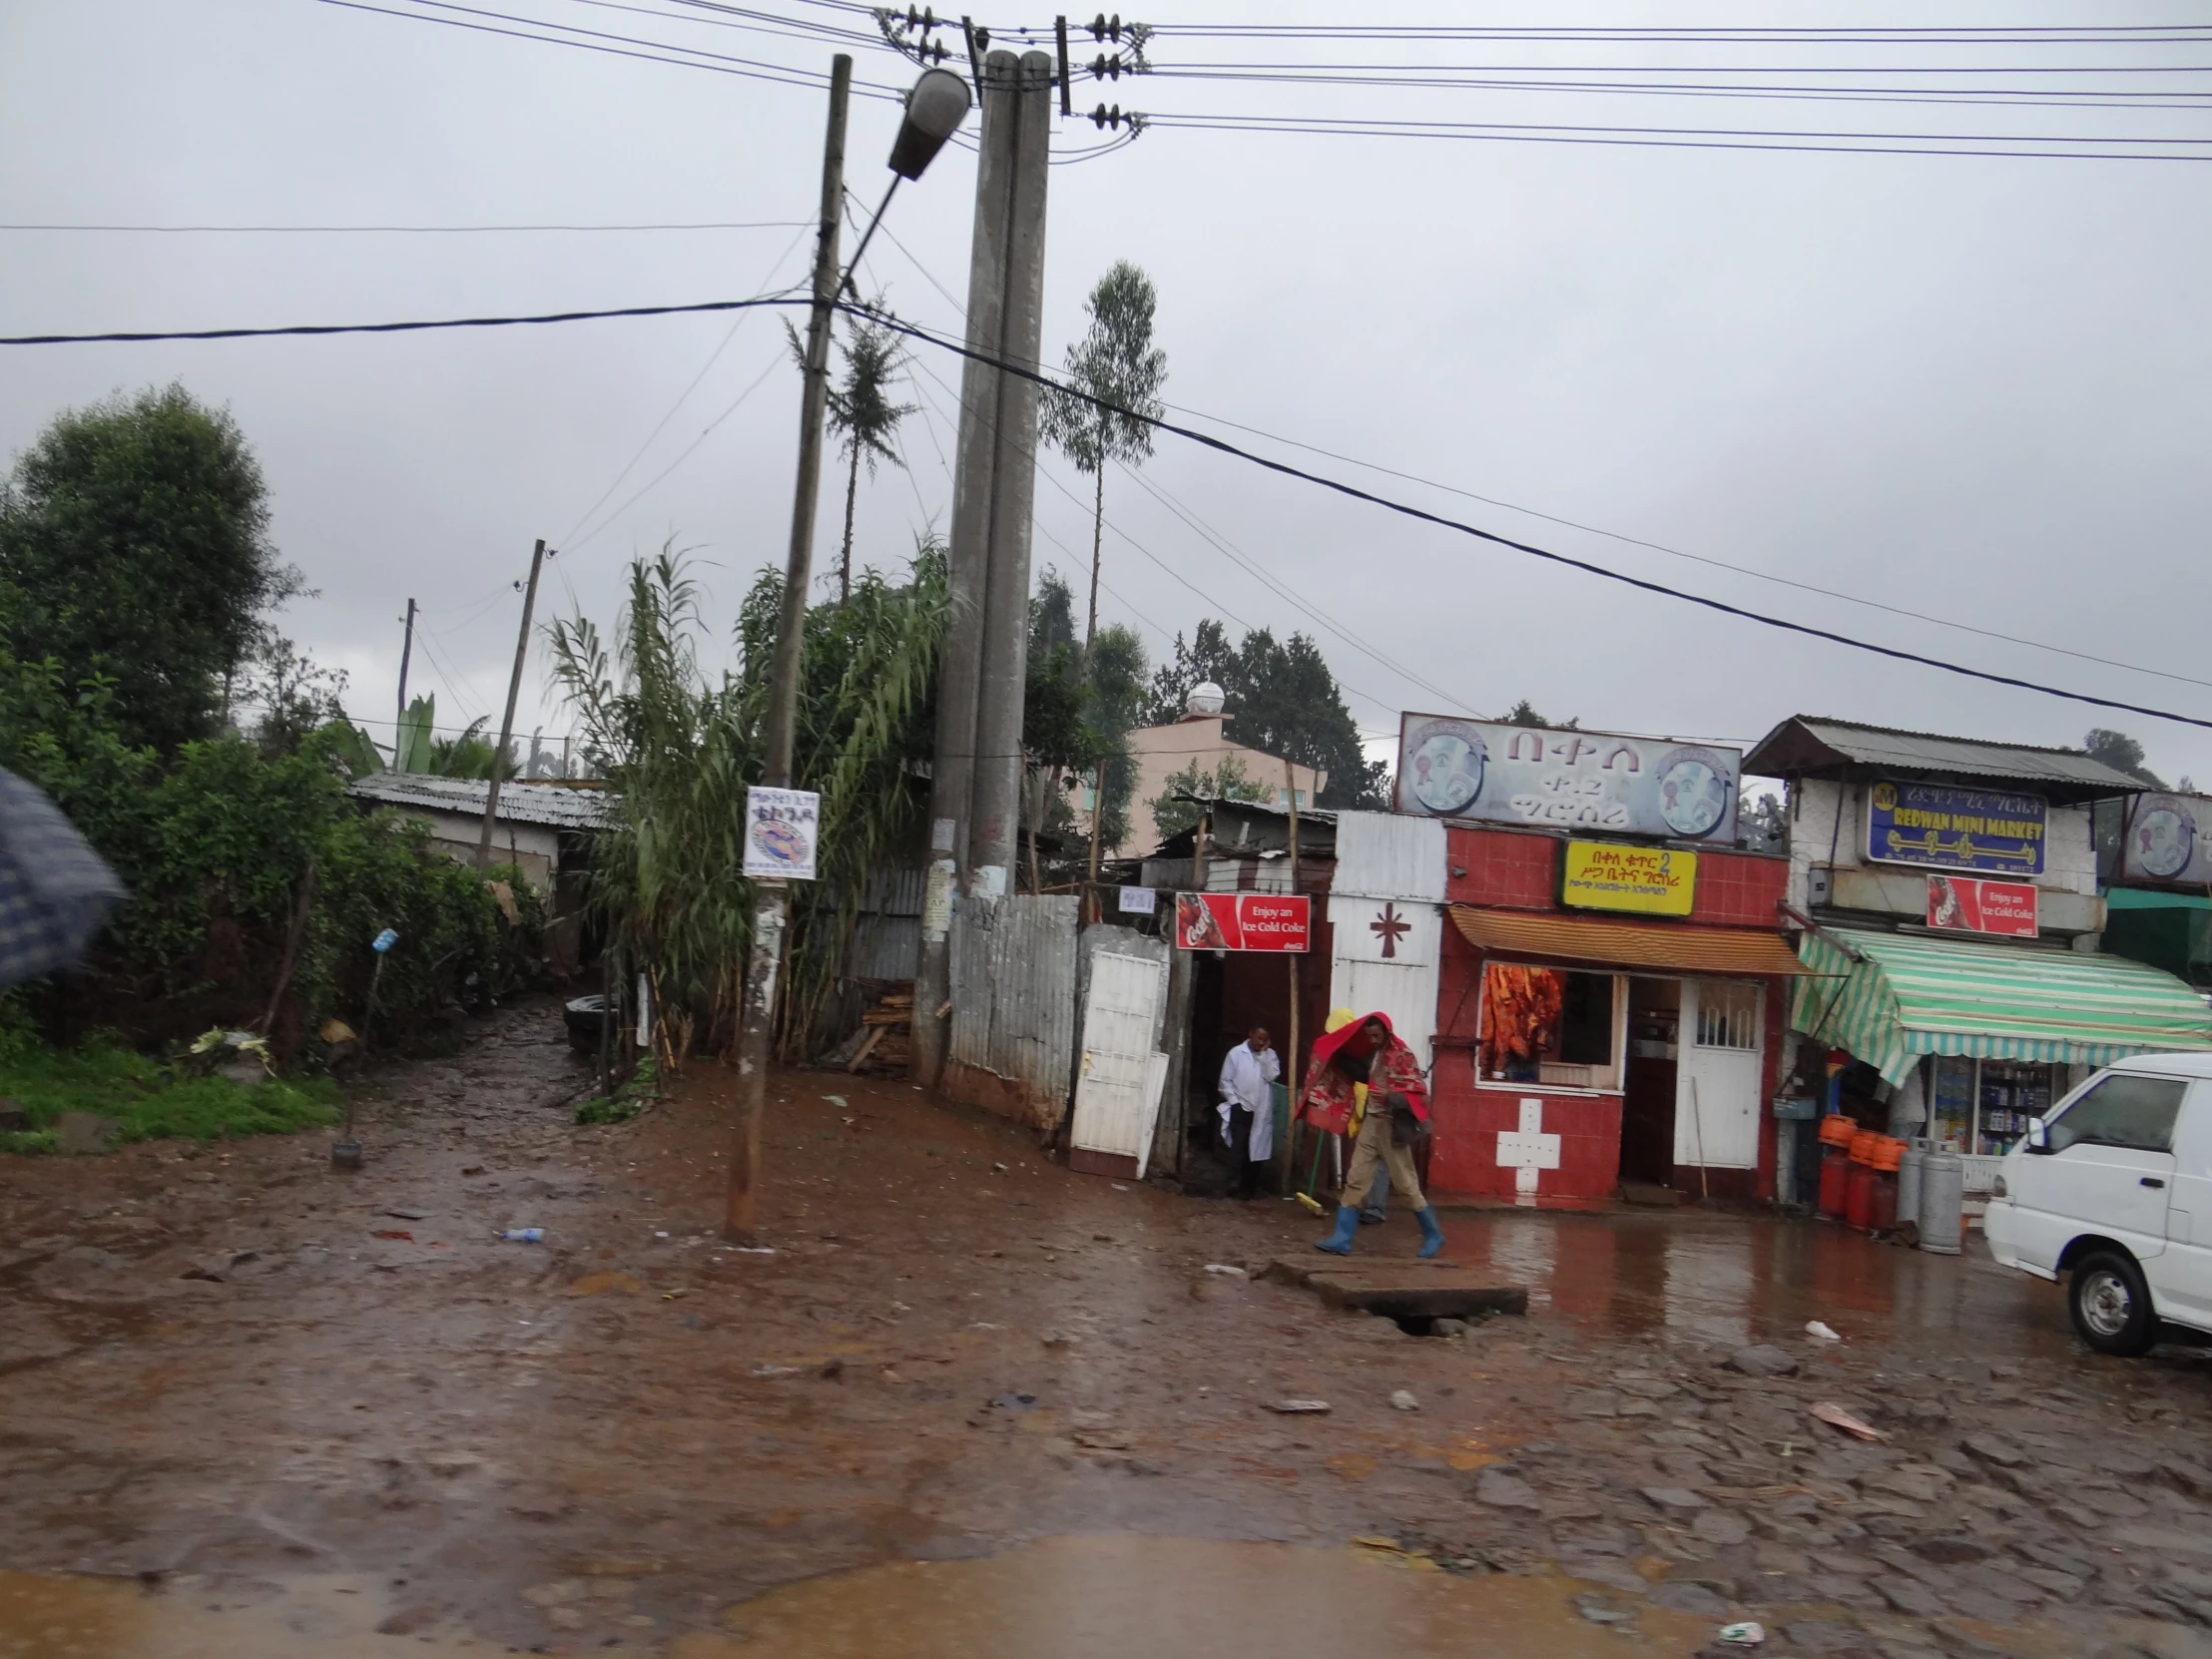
[[887, 1030]]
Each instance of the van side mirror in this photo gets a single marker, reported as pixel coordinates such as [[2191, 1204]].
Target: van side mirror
[[2037, 1138]]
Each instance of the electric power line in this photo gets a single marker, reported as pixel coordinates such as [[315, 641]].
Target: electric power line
[[712, 357], [402, 327], [705, 433], [1207, 440], [626, 46], [1963, 145], [407, 229], [2016, 147], [1422, 515]]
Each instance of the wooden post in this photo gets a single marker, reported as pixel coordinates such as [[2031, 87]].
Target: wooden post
[[1290, 1052], [1098, 813], [772, 899], [507, 722]]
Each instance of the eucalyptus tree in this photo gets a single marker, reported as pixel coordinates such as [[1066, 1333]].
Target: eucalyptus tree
[[864, 417], [1114, 373]]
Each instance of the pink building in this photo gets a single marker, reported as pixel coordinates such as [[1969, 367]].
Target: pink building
[[1159, 751]]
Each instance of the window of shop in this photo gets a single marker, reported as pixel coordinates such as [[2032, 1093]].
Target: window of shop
[[1982, 1106], [1556, 1028], [1728, 1014]]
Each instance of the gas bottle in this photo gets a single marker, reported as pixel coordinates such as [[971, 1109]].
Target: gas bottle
[[1942, 1202]]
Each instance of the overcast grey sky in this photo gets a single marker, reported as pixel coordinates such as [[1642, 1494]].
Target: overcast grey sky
[[1972, 387]]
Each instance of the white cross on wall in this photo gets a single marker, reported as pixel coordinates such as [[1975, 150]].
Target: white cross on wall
[[1528, 1150]]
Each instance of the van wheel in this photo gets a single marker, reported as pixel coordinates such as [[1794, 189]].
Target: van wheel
[[2110, 1303]]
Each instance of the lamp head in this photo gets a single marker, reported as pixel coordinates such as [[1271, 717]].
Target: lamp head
[[936, 107]]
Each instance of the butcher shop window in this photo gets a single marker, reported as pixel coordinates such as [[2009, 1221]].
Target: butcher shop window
[[1553, 1027]]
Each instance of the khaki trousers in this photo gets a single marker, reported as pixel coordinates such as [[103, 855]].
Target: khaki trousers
[[1373, 1146]]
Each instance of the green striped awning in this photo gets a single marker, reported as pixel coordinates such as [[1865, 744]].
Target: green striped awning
[[1906, 995]]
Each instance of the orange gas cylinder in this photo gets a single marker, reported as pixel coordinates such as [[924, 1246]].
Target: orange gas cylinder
[[1882, 1203], [1837, 1130], [1858, 1189], [1836, 1168]]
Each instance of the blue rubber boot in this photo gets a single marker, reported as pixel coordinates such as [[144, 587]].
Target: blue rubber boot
[[1432, 1232], [1339, 1243]]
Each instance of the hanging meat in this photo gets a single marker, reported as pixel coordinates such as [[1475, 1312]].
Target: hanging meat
[[1520, 1013]]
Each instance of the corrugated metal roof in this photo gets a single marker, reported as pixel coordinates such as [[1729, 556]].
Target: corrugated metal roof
[[1636, 944], [560, 806], [1256, 826], [1813, 743]]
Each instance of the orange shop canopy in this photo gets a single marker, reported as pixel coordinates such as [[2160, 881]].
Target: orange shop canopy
[[1628, 944]]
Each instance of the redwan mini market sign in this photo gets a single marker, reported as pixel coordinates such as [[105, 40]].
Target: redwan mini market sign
[[1650, 880]]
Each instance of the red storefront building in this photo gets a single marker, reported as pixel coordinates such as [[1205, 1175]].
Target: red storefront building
[[1610, 1005]]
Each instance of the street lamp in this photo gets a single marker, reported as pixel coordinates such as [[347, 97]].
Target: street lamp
[[935, 105]]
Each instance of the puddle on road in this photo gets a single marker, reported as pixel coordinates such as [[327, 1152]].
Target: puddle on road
[[1110, 1597], [57, 1616], [1742, 1278]]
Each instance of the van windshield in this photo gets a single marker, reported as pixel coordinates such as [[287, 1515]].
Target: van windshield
[[2123, 1109]]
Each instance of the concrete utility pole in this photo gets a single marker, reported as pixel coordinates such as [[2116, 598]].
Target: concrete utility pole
[[976, 795], [407, 653], [507, 721], [771, 904]]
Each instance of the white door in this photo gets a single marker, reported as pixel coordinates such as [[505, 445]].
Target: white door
[[2183, 1276], [1117, 1095], [1716, 1090]]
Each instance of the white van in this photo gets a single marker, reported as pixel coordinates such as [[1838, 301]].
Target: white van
[[2114, 1189]]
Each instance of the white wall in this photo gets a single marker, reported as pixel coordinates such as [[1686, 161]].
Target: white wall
[[534, 846]]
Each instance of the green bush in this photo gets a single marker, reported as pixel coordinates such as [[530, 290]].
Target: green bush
[[632, 1096], [217, 848], [148, 1099]]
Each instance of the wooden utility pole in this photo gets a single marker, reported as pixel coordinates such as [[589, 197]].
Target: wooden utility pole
[[771, 902], [1290, 1054], [406, 653], [1098, 817], [507, 721]]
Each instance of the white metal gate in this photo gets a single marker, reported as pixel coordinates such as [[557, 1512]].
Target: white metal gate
[[1716, 1104], [1117, 1096]]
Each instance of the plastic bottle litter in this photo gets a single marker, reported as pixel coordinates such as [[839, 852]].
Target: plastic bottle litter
[[522, 1235], [1226, 1271], [1814, 1328], [1741, 1635]]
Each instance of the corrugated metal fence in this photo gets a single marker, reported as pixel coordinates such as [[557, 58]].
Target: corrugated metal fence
[[1012, 1041], [887, 935]]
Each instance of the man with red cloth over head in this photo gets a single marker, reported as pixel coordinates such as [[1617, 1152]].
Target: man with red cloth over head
[[1368, 1051]]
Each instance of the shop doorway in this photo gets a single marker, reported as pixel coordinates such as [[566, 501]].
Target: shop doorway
[[1717, 1111], [1650, 1084]]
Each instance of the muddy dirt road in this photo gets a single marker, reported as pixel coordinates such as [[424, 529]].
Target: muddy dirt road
[[278, 1408]]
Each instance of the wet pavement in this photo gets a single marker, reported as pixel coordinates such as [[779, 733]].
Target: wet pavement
[[974, 1404]]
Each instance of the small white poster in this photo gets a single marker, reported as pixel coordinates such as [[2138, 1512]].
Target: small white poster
[[780, 834], [1139, 902], [937, 900]]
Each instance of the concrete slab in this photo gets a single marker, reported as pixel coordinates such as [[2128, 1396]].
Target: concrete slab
[[1398, 1288]]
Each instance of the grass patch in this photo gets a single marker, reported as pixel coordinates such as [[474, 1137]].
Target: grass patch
[[148, 1099], [632, 1096]]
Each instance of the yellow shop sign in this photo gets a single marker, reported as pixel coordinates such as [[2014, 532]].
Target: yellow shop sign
[[1654, 880]]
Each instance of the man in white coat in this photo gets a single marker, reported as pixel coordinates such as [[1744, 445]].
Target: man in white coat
[[1247, 1109]]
